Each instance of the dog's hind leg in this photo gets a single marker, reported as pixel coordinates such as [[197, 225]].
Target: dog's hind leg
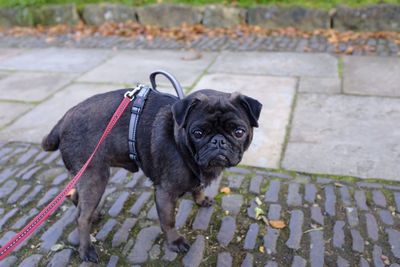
[[90, 190]]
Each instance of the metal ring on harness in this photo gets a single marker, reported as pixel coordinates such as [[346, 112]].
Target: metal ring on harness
[[171, 78]]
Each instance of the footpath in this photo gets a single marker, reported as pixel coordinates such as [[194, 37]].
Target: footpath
[[325, 160]]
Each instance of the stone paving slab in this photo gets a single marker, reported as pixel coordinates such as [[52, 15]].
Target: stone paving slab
[[351, 235], [345, 135], [32, 126], [132, 67], [32, 71], [55, 60], [31, 87], [12, 111], [9, 52], [371, 76], [276, 64], [276, 94], [3, 74], [320, 85]]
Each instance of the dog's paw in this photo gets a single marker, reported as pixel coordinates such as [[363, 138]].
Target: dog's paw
[[179, 245], [206, 202], [89, 254]]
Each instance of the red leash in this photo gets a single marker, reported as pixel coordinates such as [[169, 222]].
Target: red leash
[[53, 205]]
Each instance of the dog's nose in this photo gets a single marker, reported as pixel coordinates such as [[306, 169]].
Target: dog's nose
[[219, 141]]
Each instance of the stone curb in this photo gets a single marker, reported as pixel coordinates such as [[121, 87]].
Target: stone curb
[[381, 17]]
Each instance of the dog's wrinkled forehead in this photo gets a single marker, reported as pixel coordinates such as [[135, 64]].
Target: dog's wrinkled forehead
[[215, 102]]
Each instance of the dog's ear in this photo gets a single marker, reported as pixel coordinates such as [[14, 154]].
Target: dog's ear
[[252, 107], [181, 110]]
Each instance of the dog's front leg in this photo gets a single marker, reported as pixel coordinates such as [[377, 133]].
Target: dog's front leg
[[166, 203], [201, 199]]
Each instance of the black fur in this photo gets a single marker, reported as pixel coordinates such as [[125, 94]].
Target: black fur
[[170, 152]]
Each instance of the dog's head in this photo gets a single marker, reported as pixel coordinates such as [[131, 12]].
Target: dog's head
[[215, 127]]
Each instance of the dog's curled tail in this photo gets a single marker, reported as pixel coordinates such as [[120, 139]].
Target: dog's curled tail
[[51, 141]]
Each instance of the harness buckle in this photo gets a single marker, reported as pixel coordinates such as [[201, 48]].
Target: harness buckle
[[131, 94]]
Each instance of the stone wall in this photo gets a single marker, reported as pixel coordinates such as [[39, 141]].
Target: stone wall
[[383, 17], [368, 18], [299, 17], [97, 14]]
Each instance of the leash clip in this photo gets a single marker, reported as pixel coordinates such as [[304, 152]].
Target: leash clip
[[131, 94]]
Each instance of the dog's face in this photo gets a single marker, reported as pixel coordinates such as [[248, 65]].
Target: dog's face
[[215, 127]]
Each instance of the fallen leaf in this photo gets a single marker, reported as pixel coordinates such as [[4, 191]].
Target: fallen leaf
[[385, 259], [57, 247], [258, 201], [190, 33], [225, 190], [349, 50], [261, 249], [277, 224], [93, 239], [338, 185], [258, 212]]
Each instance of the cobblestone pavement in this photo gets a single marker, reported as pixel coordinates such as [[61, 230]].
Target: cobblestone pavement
[[375, 46], [330, 221]]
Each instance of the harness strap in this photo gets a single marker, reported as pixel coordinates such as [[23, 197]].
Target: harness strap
[[136, 110]]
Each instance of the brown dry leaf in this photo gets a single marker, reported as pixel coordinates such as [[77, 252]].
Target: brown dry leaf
[[189, 33], [225, 190], [349, 50], [277, 224], [385, 259]]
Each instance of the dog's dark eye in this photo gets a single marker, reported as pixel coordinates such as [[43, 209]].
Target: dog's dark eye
[[197, 134], [239, 132]]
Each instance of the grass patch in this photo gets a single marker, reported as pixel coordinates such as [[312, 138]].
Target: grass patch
[[340, 67], [290, 122], [243, 3]]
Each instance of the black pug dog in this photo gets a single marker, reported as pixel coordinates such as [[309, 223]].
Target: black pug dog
[[182, 146]]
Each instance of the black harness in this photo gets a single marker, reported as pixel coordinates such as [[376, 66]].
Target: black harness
[[137, 107], [139, 95]]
